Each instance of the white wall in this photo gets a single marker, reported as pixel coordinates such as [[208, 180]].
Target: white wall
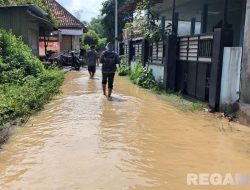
[[230, 80], [158, 71]]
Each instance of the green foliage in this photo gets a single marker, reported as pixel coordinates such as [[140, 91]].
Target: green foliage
[[25, 85], [92, 38], [123, 70], [102, 43], [146, 25], [4, 2], [143, 77], [96, 25], [16, 59], [108, 19]]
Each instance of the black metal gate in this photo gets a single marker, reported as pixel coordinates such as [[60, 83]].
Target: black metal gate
[[194, 65], [199, 65]]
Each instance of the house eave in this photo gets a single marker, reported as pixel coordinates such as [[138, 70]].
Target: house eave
[[71, 31]]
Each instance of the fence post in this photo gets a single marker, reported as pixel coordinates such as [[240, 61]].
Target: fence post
[[130, 51], [121, 48], [222, 38], [145, 51], [169, 79]]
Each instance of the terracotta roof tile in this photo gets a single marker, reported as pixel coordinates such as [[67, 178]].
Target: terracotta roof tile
[[64, 17]]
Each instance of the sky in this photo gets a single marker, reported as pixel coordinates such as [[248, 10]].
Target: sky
[[85, 9]]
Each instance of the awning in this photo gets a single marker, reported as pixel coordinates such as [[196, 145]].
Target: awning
[[187, 9]]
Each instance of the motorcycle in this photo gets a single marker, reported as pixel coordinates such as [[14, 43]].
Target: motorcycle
[[67, 59]]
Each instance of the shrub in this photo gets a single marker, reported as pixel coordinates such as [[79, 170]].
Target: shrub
[[16, 59], [25, 85], [143, 77], [123, 70], [136, 72]]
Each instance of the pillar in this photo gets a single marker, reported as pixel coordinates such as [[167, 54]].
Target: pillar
[[204, 18], [245, 72], [192, 29]]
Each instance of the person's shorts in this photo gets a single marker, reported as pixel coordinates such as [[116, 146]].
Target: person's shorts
[[92, 69], [108, 78]]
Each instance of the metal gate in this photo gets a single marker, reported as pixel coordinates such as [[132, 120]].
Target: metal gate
[[193, 69]]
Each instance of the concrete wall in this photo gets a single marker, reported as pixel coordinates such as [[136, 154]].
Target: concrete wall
[[158, 71], [230, 80], [245, 74]]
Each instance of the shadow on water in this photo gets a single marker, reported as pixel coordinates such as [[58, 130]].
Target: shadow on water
[[118, 99]]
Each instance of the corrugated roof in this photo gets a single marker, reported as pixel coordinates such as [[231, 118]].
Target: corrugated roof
[[64, 17]]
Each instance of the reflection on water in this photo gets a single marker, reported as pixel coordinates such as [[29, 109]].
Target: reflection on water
[[136, 141]]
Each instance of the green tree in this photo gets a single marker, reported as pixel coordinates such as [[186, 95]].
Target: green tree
[[108, 20], [97, 26], [91, 38]]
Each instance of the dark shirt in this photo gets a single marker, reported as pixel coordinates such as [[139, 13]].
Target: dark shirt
[[92, 57], [109, 60]]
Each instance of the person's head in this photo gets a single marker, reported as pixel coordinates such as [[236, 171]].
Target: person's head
[[109, 47], [92, 47]]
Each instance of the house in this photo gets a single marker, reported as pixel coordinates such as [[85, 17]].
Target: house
[[210, 61], [71, 29], [27, 21]]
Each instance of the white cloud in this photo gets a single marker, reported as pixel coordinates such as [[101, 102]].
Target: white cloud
[[86, 9]]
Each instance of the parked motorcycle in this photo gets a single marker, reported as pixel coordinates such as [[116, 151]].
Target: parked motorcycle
[[75, 61], [67, 59]]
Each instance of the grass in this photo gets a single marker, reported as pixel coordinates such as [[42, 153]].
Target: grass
[[179, 101]]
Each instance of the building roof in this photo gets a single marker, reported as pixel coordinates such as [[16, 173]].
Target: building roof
[[32, 7], [64, 17], [34, 12]]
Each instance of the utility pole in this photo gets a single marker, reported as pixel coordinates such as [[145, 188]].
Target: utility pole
[[116, 26]]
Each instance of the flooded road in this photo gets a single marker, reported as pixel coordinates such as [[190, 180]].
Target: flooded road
[[137, 141]]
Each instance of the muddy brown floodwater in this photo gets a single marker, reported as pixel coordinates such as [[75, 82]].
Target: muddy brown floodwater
[[137, 141]]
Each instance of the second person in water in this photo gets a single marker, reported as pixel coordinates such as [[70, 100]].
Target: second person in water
[[92, 60], [109, 60]]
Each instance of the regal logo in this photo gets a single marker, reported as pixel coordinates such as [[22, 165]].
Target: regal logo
[[216, 179]]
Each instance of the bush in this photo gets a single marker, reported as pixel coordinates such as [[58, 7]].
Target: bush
[[123, 70], [143, 77], [25, 84], [16, 59], [136, 72]]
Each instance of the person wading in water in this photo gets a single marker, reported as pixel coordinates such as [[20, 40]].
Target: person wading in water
[[92, 59], [109, 59]]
